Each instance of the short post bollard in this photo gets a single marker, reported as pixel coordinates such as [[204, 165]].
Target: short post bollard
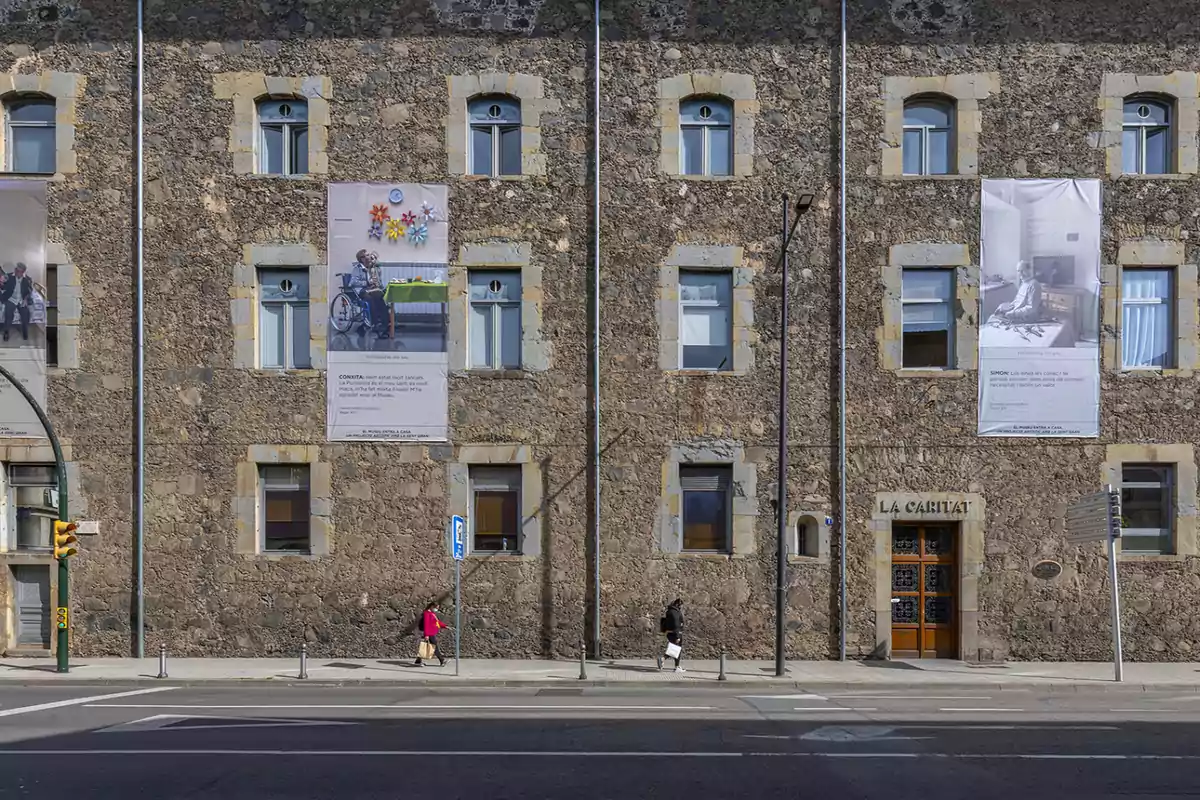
[[582, 661], [162, 661], [304, 662], [721, 674]]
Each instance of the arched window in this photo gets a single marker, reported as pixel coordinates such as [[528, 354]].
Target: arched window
[[495, 135], [1146, 140], [706, 136], [283, 136], [928, 136], [29, 134]]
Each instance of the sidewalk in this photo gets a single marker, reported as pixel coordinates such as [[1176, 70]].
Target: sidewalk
[[1067, 676]]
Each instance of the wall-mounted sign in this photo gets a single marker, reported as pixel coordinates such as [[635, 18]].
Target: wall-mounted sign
[[918, 507], [1047, 570]]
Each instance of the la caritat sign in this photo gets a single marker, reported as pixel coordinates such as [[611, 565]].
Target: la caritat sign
[[924, 507]]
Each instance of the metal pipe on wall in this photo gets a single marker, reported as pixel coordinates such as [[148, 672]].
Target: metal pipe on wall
[[140, 322], [781, 491], [842, 357], [596, 326]]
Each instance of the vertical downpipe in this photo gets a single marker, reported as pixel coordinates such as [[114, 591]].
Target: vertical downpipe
[[140, 311], [596, 325], [842, 357]]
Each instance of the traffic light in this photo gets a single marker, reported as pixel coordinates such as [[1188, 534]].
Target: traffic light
[[64, 535]]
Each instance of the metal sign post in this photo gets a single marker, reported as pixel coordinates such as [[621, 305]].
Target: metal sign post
[[459, 550], [1097, 518]]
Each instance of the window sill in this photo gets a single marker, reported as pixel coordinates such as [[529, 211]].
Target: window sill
[[1162, 557], [56, 177], [908, 178], [697, 556], [273, 556], [263, 176], [923, 372], [1154, 373], [299, 373], [800, 560], [29, 556], [704, 373], [508, 557], [1170, 176], [707, 178], [498, 178], [495, 374]]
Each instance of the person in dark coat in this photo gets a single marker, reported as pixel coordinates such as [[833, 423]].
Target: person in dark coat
[[16, 297], [672, 625]]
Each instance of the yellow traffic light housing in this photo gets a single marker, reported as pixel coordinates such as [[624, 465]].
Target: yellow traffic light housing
[[64, 535]]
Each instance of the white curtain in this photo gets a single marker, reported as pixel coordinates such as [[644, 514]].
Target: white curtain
[[1145, 326]]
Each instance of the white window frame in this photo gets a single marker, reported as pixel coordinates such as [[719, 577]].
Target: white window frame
[[289, 323], [294, 486], [494, 130], [1143, 131], [1167, 485], [725, 470], [925, 130], [49, 509], [684, 305], [496, 357], [948, 303], [1168, 301], [706, 128], [11, 127], [505, 478], [286, 129]]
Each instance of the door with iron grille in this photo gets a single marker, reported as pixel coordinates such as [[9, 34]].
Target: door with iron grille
[[924, 590]]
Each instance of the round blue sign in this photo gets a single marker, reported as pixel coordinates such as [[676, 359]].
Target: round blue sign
[[396, 196]]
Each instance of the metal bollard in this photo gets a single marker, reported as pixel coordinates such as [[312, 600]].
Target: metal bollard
[[721, 675], [582, 661], [304, 662], [162, 661]]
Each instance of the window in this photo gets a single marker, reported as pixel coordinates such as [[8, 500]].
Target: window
[[50, 293], [283, 319], [808, 538], [284, 504], [706, 137], [283, 132], [495, 323], [1147, 318], [925, 297], [705, 321], [1146, 137], [495, 135], [33, 505], [707, 517], [928, 137], [1147, 508], [30, 135], [496, 509]]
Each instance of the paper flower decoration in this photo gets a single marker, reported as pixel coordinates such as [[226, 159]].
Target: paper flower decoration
[[408, 217], [395, 229], [379, 213], [418, 234], [396, 196], [376, 231], [430, 212]]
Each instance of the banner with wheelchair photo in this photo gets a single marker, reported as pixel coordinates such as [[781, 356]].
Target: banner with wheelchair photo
[[23, 304], [387, 327]]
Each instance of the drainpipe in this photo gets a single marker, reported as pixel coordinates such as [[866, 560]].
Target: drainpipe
[[139, 504], [842, 358], [596, 324]]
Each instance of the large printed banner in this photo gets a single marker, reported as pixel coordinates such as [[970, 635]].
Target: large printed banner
[[387, 326], [22, 304], [1039, 323]]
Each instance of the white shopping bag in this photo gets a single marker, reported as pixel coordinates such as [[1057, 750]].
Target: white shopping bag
[[37, 308], [673, 650]]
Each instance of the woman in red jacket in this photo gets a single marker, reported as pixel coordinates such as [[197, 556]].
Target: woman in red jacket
[[430, 625]]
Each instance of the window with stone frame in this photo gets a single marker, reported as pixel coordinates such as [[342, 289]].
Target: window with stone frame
[[1148, 318], [283, 136], [495, 517], [495, 135], [927, 297], [285, 523], [707, 508], [494, 324], [706, 320], [283, 319], [29, 132], [929, 135], [1147, 135], [1148, 508], [706, 136], [49, 293]]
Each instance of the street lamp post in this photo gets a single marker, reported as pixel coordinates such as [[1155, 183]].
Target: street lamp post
[[803, 203]]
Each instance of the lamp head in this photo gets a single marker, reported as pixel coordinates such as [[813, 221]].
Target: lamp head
[[804, 202]]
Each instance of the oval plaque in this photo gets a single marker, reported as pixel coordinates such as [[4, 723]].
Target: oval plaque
[[1047, 570]]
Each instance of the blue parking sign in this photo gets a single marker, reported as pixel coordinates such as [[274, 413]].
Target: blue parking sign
[[458, 545]]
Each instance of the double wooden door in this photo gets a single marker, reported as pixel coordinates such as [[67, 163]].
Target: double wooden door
[[924, 590]]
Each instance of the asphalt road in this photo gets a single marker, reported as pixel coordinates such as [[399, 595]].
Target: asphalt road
[[319, 742]]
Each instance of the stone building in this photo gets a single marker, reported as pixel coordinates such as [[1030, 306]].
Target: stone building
[[709, 113]]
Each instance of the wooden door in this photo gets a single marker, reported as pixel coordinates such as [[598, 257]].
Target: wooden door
[[924, 590]]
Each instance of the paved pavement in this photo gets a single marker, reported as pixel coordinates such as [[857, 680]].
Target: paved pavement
[[303, 741], [916, 674]]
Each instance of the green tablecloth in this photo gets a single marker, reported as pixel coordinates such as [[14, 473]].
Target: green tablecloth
[[416, 293]]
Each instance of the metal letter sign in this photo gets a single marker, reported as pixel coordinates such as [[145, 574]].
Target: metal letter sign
[[1097, 518], [457, 530]]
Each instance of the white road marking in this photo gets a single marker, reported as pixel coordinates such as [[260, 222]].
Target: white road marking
[[80, 701], [400, 707], [165, 721], [61, 753], [907, 697]]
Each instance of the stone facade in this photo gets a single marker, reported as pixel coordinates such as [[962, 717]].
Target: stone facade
[[387, 88]]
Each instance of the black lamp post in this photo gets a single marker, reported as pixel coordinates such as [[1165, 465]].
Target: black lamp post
[[803, 203]]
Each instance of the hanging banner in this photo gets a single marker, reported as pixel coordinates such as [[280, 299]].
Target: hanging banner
[[22, 304], [1039, 322], [387, 326]]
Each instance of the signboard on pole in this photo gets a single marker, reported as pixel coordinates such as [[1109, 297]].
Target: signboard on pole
[[1097, 518], [458, 547]]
